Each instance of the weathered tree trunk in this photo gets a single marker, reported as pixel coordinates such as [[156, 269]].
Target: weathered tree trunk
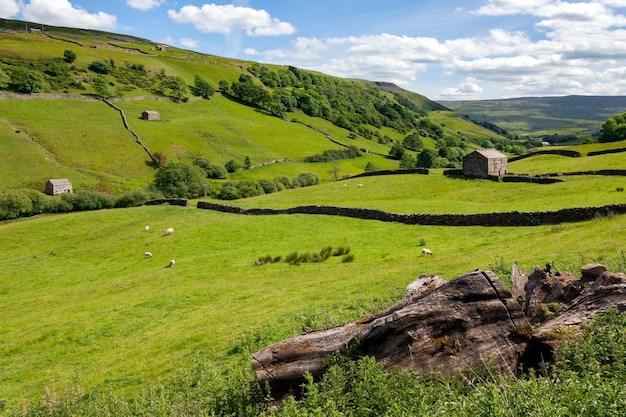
[[467, 322]]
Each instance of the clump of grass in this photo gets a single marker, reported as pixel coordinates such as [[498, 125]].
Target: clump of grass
[[341, 250], [422, 242], [348, 258]]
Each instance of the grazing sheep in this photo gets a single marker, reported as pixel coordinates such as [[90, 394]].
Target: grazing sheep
[[426, 252], [169, 231], [147, 255], [345, 186], [146, 228], [172, 263], [360, 185]]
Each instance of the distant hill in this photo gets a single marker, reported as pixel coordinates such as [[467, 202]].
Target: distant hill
[[570, 115]]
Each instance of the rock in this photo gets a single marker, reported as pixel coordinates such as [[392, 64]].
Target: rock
[[543, 288], [590, 272], [423, 285], [464, 323]]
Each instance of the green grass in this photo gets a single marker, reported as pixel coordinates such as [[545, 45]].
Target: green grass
[[436, 193], [82, 307]]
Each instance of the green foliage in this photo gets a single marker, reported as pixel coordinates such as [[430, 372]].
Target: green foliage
[[426, 159], [370, 167], [305, 179], [180, 180], [407, 160], [202, 87], [231, 166], [284, 181], [349, 152], [100, 67], [87, 200], [69, 56], [136, 197], [268, 186], [413, 141], [27, 81], [396, 151], [613, 129], [14, 204], [101, 87], [4, 80]]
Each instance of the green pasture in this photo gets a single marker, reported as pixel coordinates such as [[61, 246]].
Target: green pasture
[[543, 164], [80, 306], [436, 193]]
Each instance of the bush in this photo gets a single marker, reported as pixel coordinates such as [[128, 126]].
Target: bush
[[231, 166], [306, 179], [284, 181], [179, 180], [86, 200], [132, 199], [249, 189], [229, 191], [268, 186], [14, 204], [216, 172], [99, 67]]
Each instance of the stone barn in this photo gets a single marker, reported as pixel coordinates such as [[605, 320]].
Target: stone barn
[[59, 186], [484, 163], [150, 115]]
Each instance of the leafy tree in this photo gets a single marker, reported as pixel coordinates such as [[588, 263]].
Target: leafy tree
[[69, 56], [4, 80], [231, 166], [396, 151], [101, 87], [216, 171], [224, 87], [202, 87], [407, 161], [202, 162], [178, 88], [27, 81], [229, 191], [100, 67], [413, 142], [247, 163], [306, 179], [268, 186], [613, 129], [14, 204], [426, 159], [179, 180], [159, 159], [370, 167]]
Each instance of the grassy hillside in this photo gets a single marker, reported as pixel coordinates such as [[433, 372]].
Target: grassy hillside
[[87, 142], [82, 307], [537, 116]]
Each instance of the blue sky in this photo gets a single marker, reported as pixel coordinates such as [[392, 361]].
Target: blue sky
[[445, 50]]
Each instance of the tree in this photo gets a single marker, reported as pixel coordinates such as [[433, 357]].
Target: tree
[[426, 159], [99, 67], [202, 87], [179, 180], [413, 142], [231, 166], [178, 87], [396, 151], [407, 161], [370, 167], [613, 129], [69, 56], [27, 81], [4, 80], [101, 87]]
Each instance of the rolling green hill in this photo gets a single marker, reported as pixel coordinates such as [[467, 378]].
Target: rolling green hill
[[261, 112], [579, 116]]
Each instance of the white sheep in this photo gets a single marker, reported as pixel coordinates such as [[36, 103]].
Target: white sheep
[[147, 255], [169, 231], [146, 228], [172, 263], [360, 185], [426, 252], [345, 186]]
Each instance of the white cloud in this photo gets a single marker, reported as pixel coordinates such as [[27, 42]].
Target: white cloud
[[189, 43], [212, 18], [62, 13], [144, 4], [467, 90], [9, 8]]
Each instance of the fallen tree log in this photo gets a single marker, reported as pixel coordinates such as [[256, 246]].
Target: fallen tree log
[[465, 323]]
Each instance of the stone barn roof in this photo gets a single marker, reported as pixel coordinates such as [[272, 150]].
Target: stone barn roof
[[490, 153]]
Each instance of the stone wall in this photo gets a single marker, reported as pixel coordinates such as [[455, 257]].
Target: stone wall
[[483, 219], [171, 201]]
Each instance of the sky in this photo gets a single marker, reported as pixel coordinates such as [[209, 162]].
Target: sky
[[443, 49]]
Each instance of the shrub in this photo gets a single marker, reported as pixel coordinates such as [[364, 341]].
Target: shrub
[[132, 198], [86, 200], [370, 167], [216, 172], [229, 191], [231, 166], [14, 204], [249, 189], [69, 56], [268, 186], [284, 181], [99, 67], [306, 179], [179, 180]]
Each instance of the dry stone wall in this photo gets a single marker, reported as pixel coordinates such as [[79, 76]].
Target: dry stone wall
[[482, 219]]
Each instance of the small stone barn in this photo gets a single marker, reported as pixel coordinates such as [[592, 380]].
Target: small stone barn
[[484, 163], [150, 115], [59, 186]]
